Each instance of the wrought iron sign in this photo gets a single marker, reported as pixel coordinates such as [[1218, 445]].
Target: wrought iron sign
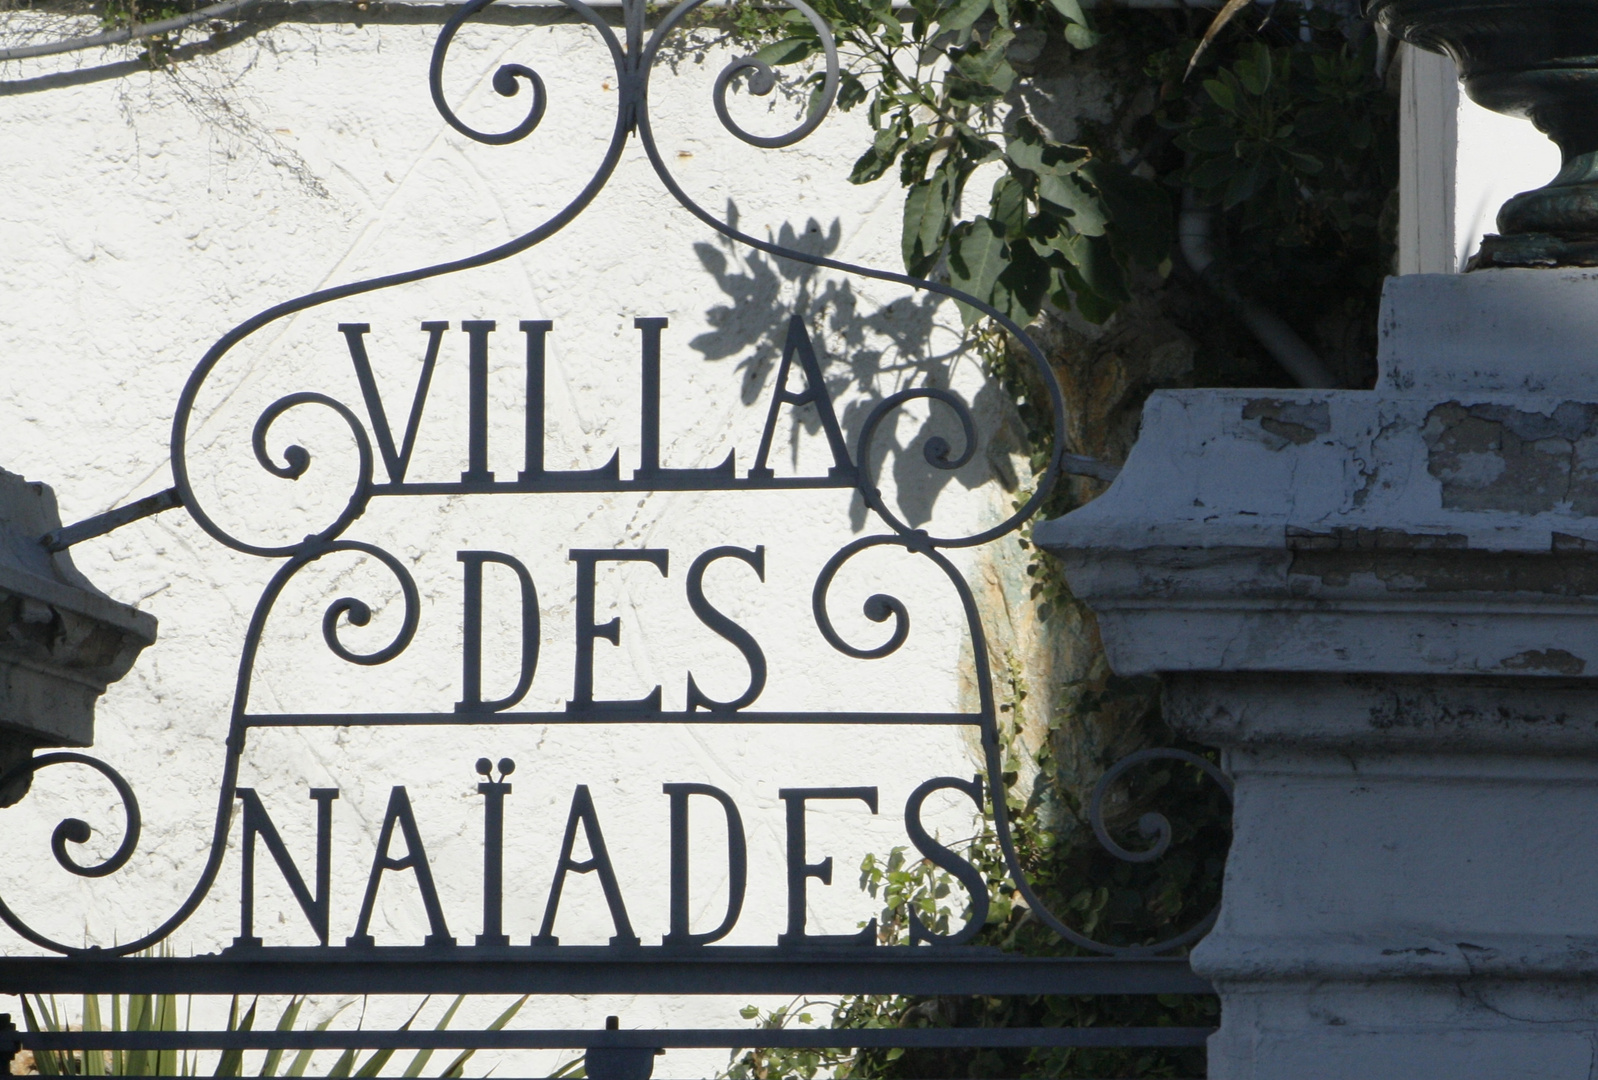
[[687, 959]]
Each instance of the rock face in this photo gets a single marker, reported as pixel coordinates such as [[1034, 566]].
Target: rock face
[[1383, 607], [62, 641]]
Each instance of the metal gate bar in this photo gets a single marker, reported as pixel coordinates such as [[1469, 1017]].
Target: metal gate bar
[[588, 1038], [603, 970]]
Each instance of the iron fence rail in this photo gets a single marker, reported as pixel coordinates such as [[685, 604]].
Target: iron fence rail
[[603, 970], [590, 1039], [611, 715]]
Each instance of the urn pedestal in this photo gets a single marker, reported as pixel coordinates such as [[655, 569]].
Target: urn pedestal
[[62, 641], [1383, 607]]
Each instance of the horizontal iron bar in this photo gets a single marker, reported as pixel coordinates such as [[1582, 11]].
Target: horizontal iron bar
[[567, 484], [100, 524], [584, 1038], [600, 716], [556, 483], [569, 969]]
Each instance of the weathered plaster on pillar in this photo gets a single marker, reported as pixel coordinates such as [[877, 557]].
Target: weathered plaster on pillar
[[1383, 607]]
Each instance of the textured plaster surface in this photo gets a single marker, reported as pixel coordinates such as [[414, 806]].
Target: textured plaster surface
[[134, 233], [1379, 604], [1278, 520]]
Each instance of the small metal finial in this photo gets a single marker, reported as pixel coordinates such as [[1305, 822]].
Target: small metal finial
[[484, 766], [506, 767]]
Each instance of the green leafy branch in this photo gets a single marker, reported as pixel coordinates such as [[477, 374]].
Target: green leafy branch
[[1063, 221], [1285, 131]]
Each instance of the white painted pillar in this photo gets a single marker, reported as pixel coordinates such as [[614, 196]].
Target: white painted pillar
[[1428, 145], [1383, 607]]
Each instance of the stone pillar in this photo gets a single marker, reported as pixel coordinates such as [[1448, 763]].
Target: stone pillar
[[62, 641], [1383, 607]]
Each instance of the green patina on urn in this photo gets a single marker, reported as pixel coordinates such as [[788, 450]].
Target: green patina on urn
[[1536, 59]]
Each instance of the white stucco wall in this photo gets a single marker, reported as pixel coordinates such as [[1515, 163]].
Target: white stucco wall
[[135, 229]]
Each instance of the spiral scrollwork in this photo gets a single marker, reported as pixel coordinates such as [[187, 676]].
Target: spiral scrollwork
[[936, 451], [878, 607], [763, 80], [297, 462], [1155, 826], [296, 459], [360, 614], [77, 831], [1152, 826], [505, 83]]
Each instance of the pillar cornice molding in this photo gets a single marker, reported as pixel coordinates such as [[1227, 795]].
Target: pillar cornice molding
[[1349, 532]]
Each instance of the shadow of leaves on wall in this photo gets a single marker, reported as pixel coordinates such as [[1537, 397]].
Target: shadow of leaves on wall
[[866, 351]]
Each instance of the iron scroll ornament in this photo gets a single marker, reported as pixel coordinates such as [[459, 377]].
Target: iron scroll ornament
[[634, 62]]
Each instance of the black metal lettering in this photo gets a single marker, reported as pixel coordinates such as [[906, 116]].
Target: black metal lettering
[[533, 420], [258, 823], [533, 471], [399, 812], [742, 639], [494, 793], [799, 870], [396, 461], [582, 698], [598, 862], [737, 864], [472, 633], [649, 469], [815, 392], [477, 331], [945, 859]]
